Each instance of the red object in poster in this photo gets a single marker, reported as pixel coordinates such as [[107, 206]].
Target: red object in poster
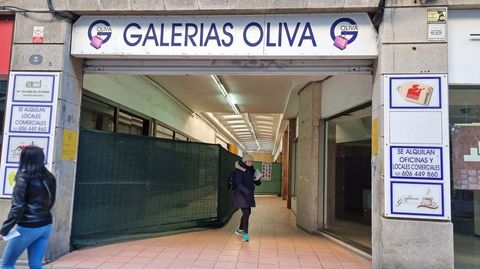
[[6, 33], [414, 92]]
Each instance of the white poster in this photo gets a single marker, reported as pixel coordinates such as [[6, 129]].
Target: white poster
[[17, 143], [416, 162], [416, 149], [29, 121], [421, 200], [38, 88]]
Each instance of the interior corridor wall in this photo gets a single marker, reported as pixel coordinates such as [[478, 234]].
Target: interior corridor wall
[[340, 93], [308, 157], [132, 92]]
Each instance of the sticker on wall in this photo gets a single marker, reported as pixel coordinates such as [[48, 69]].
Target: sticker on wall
[[38, 32], [437, 21], [69, 145], [266, 171]]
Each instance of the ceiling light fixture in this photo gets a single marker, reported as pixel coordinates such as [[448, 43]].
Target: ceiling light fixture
[[214, 119], [225, 94]]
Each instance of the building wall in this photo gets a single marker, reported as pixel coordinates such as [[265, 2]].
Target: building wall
[[404, 49], [396, 243], [262, 156], [340, 93], [56, 58]]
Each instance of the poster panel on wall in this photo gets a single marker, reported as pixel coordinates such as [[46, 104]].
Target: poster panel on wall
[[29, 121], [416, 149]]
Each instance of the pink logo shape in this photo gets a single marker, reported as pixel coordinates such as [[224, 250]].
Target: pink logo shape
[[96, 42], [340, 42]]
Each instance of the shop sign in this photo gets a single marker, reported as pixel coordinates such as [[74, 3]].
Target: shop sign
[[29, 117], [417, 160], [322, 35]]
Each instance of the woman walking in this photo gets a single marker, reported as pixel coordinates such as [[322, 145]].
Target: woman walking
[[244, 189], [32, 199]]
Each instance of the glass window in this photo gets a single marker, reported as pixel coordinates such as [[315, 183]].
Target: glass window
[[163, 132], [130, 124], [465, 141], [348, 177], [96, 115]]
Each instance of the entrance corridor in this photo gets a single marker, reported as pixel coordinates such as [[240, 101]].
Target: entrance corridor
[[275, 243]]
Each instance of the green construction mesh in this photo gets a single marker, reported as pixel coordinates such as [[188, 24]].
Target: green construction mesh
[[130, 187], [272, 186]]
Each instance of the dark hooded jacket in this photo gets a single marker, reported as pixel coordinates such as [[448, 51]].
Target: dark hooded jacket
[[32, 200], [244, 186]]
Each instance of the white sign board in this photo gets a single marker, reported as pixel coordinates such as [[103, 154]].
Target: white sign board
[[29, 121], [318, 35], [416, 150], [39, 89]]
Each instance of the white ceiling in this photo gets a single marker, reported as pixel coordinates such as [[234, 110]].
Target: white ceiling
[[263, 100]]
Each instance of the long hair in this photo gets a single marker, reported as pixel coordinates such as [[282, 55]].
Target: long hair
[[32, 162]]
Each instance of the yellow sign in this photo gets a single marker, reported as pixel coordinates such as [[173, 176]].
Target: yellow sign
[[69, 145], [375, 136], [437, 15]]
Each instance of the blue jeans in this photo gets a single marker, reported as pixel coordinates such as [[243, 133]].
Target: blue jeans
[[33, 239]]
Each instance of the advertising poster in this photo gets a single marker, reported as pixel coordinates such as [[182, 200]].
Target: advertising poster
[[416, 147], [29, 121], [466, 157]]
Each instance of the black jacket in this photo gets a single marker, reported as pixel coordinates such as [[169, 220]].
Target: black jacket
[[244, 186], [32, 200]]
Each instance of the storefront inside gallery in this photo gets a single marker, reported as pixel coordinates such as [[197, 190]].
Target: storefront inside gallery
[[338, 50]]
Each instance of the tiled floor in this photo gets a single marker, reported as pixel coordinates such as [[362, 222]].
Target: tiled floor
[[275, 243]]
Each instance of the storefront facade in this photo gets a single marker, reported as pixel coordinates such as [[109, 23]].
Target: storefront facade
[[411, 47]]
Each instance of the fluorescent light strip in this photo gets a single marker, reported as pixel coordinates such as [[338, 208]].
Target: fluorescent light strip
[[212, 117], [247, 119], [225, 94]]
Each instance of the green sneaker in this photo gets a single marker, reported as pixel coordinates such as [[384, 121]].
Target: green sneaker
[[239, 232], [245, 238]]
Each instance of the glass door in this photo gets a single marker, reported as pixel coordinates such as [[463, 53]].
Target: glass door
[[347, 213]]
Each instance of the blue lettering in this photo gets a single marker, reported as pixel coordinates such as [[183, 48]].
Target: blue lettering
[[279, 34], [291, 38], [201, 34], [310, 36], [269, 44], [212, 34], [162, 35], [227, 33], [174, 34], [137, 36], [150, 35], [259, 27], [190, 36]]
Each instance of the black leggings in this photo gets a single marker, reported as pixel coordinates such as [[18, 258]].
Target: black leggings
[[244, 220]]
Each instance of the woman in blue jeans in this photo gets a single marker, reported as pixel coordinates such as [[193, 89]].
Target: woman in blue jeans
[[33, 197]]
